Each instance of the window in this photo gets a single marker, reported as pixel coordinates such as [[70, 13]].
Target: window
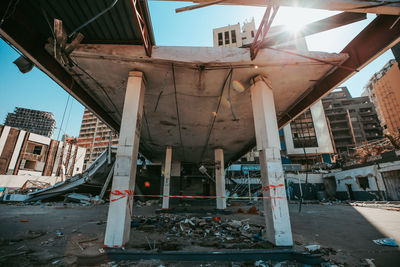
[[37, 150], [233, 35], [30, 164], [226, 37], [220, 41], [252, 34], [363, 182], [303, 131]]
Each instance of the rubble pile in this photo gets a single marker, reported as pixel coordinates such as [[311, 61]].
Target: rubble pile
[[209, 228], [139, 204]]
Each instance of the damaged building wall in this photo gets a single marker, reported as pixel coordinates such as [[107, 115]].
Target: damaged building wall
[[363, 184], [311, 184], [17, 181], [390, 172], [24, 153]]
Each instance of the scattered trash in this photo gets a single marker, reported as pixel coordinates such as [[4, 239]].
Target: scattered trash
[[312, 247], [246, 227], [85, 199], [217, 219], [55, 262], [59, 234], [211, 229], [386, 242], [148, 203], [253, 210], [260, 263], [134, 224], [370, 262], [258, 237], [235, 223]]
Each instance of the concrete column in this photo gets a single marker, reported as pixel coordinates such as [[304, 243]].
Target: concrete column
[[276, 210], [167, 177], [220, 178], [121, 198]]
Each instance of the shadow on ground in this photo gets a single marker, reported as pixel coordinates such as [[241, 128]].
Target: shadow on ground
[[54, 234]]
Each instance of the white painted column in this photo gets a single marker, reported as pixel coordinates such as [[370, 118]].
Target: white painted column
[[121, 199], [220, 178], [276, 210], [167, 177]]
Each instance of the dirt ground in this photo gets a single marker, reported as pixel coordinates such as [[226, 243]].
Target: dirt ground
[[53, 234]]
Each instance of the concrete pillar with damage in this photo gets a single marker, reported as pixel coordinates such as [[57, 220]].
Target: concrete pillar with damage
[[276, 209], [167, 177], [121, 198], [220, 178]]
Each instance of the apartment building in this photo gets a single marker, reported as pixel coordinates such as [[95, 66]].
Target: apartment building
[[234, 35], [353, 121], [34, 121], [95, 136], [26, 153], [383, 90]]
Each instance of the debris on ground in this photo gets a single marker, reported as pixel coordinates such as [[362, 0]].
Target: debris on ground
[[148, 203], [253, 210], [312, 247], [388, 241], [85, 199], [202, 231], [370, 262]]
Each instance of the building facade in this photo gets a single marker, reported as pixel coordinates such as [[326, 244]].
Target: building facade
[[384, 91], [34, 121], [234, 36], [95, 137], [352, 121], [25, 153], [307, 138]]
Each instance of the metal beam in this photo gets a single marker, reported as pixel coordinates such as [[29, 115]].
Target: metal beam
[[142, 25], [380, 35], [19, 32], [326, 24], [391, 7], [263, 29]]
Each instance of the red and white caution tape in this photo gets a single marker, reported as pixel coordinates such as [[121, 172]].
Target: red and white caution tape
[[122, 194]]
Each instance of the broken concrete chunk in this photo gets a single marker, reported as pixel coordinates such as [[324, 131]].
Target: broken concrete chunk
[[312, 247]]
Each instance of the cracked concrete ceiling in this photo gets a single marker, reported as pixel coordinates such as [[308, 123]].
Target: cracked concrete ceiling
[[200, 74]]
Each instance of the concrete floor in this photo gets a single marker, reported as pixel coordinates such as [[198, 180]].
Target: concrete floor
[[346, 232]]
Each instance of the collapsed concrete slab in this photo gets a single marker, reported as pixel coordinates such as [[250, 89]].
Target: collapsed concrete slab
[[91, 180]]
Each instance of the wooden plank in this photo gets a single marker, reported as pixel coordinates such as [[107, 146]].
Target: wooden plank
[[187, 8]]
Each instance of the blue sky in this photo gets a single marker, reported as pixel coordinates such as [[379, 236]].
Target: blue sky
[[36, 90]]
